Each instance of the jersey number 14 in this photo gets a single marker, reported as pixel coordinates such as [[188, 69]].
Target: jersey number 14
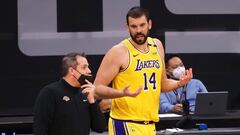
[[149, 80]]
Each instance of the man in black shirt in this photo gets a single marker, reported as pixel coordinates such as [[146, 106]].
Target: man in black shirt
[[68, 106]]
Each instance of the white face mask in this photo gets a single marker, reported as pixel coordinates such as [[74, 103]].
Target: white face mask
[[179, 71]]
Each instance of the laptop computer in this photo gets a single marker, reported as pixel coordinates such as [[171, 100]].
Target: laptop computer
[[211, 103]]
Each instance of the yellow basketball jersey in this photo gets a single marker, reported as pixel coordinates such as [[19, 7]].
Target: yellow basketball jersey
[[144, 69]]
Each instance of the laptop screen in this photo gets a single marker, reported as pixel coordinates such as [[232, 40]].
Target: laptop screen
[[211, 103]]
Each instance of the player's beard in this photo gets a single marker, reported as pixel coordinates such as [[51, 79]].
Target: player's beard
[[140, 41]]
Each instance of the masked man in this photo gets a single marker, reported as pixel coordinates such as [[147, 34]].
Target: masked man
[[172, 101], [68, 106]]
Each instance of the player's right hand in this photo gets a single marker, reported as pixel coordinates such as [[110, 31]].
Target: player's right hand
[[130, 93]]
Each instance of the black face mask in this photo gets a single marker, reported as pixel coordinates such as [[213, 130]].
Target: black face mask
[[83, 77]]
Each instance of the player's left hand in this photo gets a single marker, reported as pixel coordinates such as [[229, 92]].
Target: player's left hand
[[184, 79]]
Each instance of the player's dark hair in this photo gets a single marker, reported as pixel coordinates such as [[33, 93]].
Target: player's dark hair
[[136, 12]]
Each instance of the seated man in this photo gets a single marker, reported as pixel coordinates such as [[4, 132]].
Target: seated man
[[171, 102]]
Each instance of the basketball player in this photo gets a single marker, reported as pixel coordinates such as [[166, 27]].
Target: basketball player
[[137, 71]]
